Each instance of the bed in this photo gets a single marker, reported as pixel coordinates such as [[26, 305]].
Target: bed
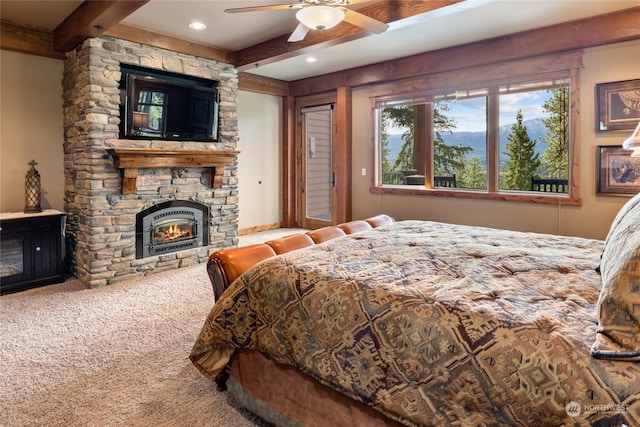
[[426, 323]]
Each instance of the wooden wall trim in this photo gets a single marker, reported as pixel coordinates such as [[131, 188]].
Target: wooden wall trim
[[574, 140], [596, 31], [150, 38], [260, 84], [27, 40], [289, 166], [482, 76], [342, 164]]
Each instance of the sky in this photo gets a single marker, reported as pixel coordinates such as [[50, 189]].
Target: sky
[[470, 114]]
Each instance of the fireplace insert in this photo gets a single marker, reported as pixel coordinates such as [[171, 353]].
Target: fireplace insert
[[170, 227]]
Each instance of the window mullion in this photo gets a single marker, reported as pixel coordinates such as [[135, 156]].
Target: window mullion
[[422, 127], [493, 144], [574, 135], [429, 137]]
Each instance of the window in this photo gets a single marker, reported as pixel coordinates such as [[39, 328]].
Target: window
[[507, 139], [152, 101]]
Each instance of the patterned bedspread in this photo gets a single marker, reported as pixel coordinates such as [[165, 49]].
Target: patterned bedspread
[[435, 324]]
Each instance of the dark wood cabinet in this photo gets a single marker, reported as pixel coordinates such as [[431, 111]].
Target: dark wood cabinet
[[30, 250]]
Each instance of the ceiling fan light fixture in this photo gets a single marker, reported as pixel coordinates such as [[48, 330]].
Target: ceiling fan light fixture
[[320, 17]]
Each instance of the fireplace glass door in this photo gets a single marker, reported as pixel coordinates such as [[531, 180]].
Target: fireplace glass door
[[173, 230]]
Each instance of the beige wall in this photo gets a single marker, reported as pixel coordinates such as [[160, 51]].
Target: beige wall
[[259, 165], [603, 64], [30, 87], [30, 128]]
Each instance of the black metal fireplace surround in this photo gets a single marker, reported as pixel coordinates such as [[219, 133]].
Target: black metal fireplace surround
[[170, 227]]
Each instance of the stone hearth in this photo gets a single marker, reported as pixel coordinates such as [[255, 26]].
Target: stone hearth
[[101, 222]]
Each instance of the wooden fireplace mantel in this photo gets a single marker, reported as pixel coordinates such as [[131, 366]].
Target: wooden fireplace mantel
[[129, 160]]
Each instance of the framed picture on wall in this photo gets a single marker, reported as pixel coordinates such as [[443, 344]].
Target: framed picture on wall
[[617, 105], [618, 172]]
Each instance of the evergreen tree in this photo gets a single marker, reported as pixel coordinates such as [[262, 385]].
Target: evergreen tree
[[404, 117], [446, 159], [472, 175], [384, 136], [555, 158], [523, 160]]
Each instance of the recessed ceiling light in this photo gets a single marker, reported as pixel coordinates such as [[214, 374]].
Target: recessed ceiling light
[[197, 26], [311, 59]]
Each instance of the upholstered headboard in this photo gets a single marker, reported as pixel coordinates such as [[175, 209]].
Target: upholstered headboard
[[226, 265]]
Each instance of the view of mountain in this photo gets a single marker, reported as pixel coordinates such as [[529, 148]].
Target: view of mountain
[[477, 140]]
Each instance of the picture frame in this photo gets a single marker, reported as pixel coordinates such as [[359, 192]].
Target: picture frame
[[617, 105], [618, 171]]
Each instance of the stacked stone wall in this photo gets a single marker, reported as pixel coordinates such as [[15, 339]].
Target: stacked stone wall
[[101, 221]]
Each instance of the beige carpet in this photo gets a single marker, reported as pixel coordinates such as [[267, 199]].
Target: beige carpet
[[114, 356]]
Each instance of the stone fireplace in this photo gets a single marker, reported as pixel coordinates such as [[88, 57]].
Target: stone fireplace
[[104, 200]]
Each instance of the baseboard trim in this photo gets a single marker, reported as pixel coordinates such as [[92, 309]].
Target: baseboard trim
[[258, 228]]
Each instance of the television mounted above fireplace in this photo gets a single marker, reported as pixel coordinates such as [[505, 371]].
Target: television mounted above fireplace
[[156, 104]]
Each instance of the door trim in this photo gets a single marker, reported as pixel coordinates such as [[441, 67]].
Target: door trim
[[341, 136]]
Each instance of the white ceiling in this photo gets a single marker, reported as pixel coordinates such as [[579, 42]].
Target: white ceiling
[[463, 22]]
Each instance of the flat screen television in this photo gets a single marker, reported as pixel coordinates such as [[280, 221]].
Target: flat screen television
[[160, 105]]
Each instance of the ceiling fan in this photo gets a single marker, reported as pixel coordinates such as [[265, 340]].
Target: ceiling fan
[[320, 15]]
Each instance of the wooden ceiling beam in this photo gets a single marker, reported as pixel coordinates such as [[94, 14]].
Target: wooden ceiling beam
[[260, 84], [385, 11], [91, 19], [175, 44], [29, 40], [610, 28]]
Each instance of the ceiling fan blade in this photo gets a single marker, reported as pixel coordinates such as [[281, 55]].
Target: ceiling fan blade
[[266, 7], [363, 21], [299, 33]]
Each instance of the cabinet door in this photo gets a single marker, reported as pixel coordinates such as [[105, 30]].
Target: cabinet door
[[15, 258], [46, 248], [30, 252]]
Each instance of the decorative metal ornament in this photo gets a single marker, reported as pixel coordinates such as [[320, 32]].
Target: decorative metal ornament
[[33, 190]]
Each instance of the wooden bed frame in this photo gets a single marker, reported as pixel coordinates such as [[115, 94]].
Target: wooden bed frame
[[280, 394], [428, 323]]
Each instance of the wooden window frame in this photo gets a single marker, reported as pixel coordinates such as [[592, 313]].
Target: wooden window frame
[[557, 66]]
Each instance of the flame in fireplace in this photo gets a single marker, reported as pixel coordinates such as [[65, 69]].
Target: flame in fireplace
[[175, 232], [170, 233]]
